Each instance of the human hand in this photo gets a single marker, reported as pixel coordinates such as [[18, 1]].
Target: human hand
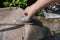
[[29, 12]]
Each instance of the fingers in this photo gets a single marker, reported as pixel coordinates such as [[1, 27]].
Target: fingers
[[25, 17], [28, 16], [28, 13]]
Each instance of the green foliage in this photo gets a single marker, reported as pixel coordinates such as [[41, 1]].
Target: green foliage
[[19, 3], [40, 12], [15, 3]]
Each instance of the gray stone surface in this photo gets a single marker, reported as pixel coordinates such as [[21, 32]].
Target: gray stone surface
[[7, 16], [51, 15]]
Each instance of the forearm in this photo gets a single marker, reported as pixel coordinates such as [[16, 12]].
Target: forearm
[[40, 4]]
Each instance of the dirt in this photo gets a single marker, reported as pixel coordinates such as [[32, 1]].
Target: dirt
[[52, 24]]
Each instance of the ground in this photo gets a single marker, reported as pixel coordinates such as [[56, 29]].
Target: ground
[[16, 32]]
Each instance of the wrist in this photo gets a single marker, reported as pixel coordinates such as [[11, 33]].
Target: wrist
[[33, 9]]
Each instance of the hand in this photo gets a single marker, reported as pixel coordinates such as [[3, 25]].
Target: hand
[[29, 12]]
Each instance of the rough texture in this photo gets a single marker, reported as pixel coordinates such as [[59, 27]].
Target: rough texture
[[33, 31], [53, 24], [10, 32]]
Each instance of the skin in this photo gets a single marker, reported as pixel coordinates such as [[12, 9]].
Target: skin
[[38, 5]]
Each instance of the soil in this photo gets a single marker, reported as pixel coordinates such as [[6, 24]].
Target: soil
[[52, 24]]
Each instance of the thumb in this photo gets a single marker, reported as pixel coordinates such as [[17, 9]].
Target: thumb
[[25, 17]]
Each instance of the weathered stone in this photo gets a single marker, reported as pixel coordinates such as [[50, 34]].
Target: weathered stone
[[52, 23], [7, 31], [18, 32]]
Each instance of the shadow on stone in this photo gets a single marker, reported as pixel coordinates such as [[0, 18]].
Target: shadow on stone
[[47, 32]]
